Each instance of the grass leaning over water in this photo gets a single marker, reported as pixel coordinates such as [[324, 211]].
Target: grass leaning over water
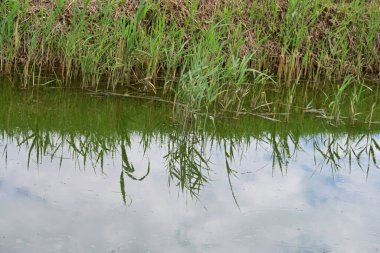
[[208, 55]]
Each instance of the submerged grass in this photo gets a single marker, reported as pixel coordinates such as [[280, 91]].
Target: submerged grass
[[213, 56]]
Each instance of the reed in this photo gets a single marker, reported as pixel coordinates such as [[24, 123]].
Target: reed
[[208, 55]]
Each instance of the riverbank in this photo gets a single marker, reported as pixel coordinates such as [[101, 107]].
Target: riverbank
[[206, 55]]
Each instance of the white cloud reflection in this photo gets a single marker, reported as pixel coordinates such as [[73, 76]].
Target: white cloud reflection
[[52, 209]]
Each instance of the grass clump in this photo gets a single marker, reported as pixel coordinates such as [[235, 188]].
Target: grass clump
[[208, 55]]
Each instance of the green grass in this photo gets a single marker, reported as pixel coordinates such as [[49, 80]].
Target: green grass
[[210, 57]]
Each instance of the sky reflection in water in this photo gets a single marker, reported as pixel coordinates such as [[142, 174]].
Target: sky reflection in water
[[53, 207]]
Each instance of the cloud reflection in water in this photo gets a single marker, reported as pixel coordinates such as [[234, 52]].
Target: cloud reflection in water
[[54, 207]]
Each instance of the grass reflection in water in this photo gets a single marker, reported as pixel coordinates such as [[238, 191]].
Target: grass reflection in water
[[60, 125], [189, 156]]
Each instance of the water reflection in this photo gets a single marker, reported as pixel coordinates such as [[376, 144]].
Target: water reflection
[[292, 198], [189, 156], [96, 175], [361, 150]]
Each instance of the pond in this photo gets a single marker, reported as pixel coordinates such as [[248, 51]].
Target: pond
[[81, 173]]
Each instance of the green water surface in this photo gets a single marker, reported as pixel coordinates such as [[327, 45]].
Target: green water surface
[[88, 173]]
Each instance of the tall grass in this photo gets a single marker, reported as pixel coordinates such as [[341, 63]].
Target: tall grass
[[207, 55]]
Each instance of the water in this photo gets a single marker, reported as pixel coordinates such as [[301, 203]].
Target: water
[[80, 173]]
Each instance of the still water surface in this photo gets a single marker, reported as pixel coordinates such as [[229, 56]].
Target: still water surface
[[88, 174]]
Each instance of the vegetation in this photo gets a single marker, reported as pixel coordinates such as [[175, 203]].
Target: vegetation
[[59, 125], [204, 56]]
